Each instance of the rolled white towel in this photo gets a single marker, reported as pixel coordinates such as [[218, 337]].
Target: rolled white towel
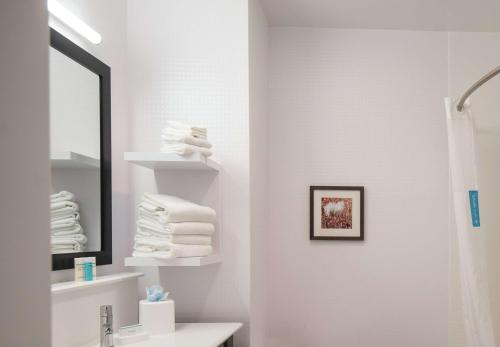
[[172, 209], [173, 137], [185, 149], [63, 195]]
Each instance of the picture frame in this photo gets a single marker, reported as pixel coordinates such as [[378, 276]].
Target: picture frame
[[336, 213]]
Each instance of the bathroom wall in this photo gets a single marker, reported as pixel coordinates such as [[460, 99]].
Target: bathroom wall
[[24, 169], [188, 61], [358, 107], [75, 314], [258, 54], [109, 19], [471, 55]]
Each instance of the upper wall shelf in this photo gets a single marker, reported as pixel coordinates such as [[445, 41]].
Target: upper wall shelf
[[193, 261], [72, 160], [167, 161]]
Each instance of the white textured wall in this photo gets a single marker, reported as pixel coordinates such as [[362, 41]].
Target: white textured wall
[[358, 107], [258, 54], [471, 55], [24, 173], [109, 19], [188, 61]]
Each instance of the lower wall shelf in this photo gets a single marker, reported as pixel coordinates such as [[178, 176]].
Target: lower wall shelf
[[194, 261], [64, 287]]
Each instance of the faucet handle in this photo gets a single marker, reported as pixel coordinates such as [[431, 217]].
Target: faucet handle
[[106, 310]]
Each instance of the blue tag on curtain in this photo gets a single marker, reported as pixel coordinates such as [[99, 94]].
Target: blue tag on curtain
[[474, 208]]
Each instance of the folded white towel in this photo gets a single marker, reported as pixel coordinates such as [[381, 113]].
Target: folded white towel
[[175, 250], [157, 254], [178, 132], [151, 213], [63, 249], [62, 213], [169, 136], [62, 196], [171, 209], [184, 228], [69, 238], [54, 207], [195, 131], [151, 245], [66, 244], [61, 217], [185, 149], [63, 223], [190, 228], [147, 234], [77, 229], [186, 251]]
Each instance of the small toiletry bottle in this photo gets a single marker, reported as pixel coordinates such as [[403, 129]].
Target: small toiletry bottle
[[88, 272], [79, 269], [85, 269]]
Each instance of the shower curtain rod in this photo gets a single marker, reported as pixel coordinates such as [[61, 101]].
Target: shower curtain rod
[[475, 86]]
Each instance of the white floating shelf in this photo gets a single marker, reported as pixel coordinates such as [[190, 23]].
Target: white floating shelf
[[194, 261], [72, 160], [65, 287], [168, 161]]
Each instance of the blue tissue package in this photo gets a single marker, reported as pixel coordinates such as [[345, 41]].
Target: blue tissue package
[[156, 293]]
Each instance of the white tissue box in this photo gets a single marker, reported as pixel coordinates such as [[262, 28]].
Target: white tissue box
[[157, 317]]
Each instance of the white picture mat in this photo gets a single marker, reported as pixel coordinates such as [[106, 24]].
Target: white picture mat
[[355, 195]]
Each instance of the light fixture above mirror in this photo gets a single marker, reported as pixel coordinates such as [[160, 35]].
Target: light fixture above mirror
[[76, 24]]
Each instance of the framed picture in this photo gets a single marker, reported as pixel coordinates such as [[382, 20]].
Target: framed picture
[[336, 213]]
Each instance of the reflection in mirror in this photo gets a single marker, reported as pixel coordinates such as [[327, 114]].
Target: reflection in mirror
[[75, 156]]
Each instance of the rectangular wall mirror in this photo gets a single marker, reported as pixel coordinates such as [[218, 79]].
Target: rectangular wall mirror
[[80, 154]]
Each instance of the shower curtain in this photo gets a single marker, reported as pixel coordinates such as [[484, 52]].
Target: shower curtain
[[467, 227]]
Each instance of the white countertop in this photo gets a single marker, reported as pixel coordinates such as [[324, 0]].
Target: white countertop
[[193, 335]]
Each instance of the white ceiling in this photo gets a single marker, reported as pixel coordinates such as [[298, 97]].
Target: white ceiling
[[441, 15]]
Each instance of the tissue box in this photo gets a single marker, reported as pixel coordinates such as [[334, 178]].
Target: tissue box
[[157, 317]]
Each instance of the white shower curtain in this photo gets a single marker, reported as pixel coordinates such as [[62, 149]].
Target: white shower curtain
[[467, 227]]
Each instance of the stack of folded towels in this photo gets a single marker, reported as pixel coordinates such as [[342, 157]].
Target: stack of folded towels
[[184, 139], [170, 227], [65, 230]]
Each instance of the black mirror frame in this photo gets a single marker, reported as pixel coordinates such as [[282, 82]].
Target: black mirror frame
[[82, 57]]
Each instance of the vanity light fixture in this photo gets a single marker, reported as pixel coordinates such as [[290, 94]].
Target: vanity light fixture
[[75, 23]]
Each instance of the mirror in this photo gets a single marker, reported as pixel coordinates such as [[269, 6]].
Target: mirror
[[80, 154]]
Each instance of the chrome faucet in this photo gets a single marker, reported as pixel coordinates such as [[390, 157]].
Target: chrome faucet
[[106, 326]]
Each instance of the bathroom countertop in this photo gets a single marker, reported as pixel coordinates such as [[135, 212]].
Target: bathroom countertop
[[192, 335]]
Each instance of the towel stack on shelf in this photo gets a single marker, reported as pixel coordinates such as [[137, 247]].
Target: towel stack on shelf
[[184, 139], [65, 230], [170, 227]]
